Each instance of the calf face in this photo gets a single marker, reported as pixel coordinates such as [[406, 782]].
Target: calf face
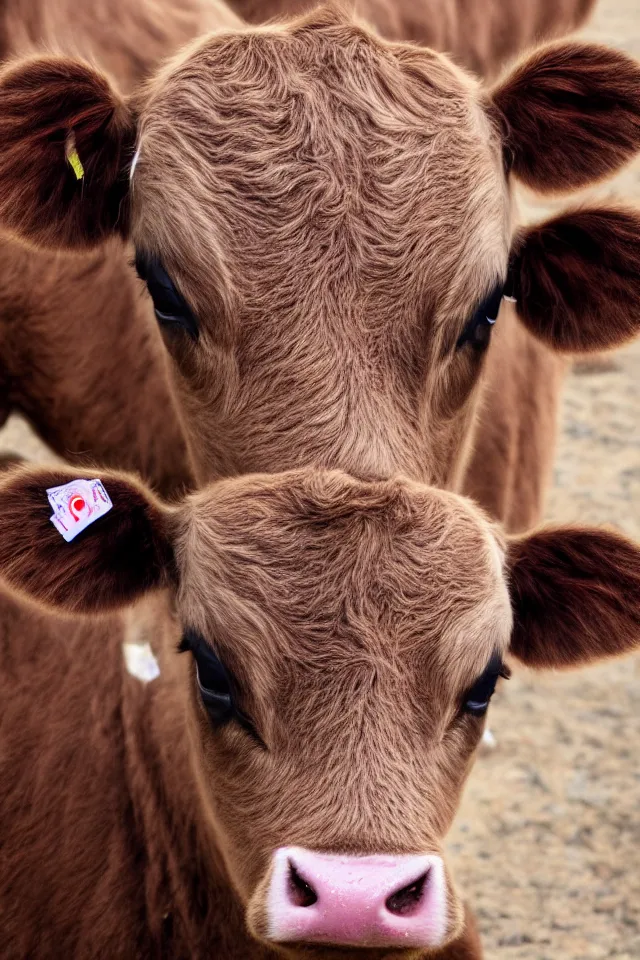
[[345, 638], [323, 220]]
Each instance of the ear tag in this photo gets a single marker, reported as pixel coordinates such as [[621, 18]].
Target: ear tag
[[77, 505], [73, 157]]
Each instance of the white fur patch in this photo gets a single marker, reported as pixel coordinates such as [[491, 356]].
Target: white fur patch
[[77, 505], [140, 661]]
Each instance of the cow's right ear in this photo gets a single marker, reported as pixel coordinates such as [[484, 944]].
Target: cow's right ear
[[67, 138], [576, 279], [575, 593], [113, 562]]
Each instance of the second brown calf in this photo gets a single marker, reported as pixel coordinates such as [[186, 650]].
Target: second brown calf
[[283, 788]]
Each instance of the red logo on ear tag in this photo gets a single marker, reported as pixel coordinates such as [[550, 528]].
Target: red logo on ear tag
[[76, 505]]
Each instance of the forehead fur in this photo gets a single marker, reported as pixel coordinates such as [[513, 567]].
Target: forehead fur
[[316, 568], [318, 148]]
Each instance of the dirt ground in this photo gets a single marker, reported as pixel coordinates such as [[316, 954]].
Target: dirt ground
[[547, 844]]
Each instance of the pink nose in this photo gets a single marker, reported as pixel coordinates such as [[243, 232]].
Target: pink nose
[[379, 901]]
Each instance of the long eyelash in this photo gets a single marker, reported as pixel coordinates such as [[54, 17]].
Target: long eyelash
[[505, 672]]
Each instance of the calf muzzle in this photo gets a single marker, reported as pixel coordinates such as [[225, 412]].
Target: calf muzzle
[[372, 901]]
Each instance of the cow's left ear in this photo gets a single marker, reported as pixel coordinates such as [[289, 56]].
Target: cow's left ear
[[576, 279], [114, 561], [575, 596], [67, 140]]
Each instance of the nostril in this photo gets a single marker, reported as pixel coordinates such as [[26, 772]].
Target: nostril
[[301, 893], [405, 902]]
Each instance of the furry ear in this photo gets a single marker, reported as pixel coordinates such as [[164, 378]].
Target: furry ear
[[575, 596], [49, 194], [570, 115], [576, 279], [111, 563]]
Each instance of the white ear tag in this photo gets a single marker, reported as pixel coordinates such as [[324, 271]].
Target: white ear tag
[[140, 661], [77, 505]]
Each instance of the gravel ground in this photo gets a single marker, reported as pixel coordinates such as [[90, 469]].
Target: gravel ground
[[547, 844]]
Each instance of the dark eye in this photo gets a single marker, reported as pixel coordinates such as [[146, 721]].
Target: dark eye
[[170, 306], [477, 333], [215, 685], [213, 681], [477, 699]]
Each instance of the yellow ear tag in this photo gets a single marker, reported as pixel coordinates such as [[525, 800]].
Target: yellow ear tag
[[73, 158], [76, 165]]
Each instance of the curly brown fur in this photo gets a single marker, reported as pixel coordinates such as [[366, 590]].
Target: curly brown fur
[[461, 382], [70, 325], [130, 47], [10, 460], [366, 331]]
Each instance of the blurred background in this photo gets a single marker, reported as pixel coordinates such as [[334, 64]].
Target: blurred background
[[547, 844]]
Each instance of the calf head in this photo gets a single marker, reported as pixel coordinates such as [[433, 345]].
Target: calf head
[[323, 220], [345, 638]]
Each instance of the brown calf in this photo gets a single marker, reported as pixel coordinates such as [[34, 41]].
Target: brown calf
[[325, 222], [50, 365], [344, 638]]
